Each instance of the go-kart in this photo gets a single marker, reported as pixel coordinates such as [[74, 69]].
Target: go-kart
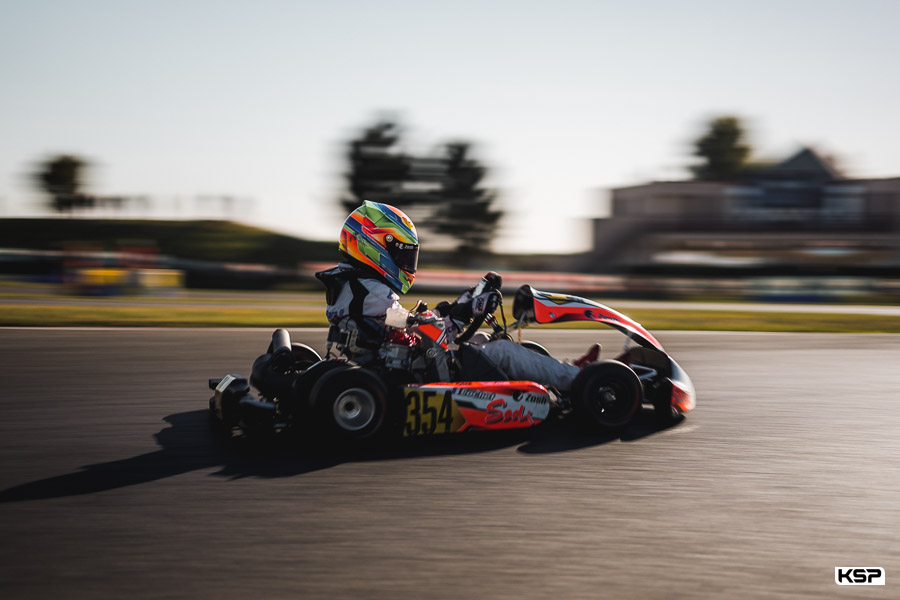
[[413, 384]]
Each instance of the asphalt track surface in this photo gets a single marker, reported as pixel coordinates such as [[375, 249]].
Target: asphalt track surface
[[113, 485]]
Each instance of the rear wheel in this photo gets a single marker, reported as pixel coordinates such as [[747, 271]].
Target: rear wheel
[[304, 356], [350, 404], [607, 392]]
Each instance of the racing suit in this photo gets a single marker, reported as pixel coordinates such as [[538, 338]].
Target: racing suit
[[358, 300]]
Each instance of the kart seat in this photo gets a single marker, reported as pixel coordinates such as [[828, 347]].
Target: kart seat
[[475, 366]]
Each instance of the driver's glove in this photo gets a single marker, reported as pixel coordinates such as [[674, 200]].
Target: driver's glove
[[485, 303], [461, 309], [458, 314], [467, 308]]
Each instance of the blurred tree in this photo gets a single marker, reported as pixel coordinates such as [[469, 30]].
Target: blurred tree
[[378, 167], [440, 194], [722, 149], [60, 178], [466, 211]]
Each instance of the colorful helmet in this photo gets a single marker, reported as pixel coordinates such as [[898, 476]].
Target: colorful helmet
[[383, 238]]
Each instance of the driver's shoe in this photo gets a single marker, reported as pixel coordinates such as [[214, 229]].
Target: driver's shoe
[[592, 355]]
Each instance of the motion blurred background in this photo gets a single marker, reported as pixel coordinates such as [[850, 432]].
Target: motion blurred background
[[701, 165], [689, 151]]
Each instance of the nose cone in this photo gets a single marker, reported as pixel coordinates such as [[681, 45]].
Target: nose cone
[[684, 396]]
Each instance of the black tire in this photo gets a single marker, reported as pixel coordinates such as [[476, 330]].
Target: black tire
[[608, 393], [303, 385], [535, 347], [304, 356], [349, 404]]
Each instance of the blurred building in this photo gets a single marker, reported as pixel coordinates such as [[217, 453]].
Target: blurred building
[[800, 216]]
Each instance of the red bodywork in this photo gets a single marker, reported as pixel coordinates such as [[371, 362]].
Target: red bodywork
[[682, 397], [560, 308], [453, 407], [535, 306]]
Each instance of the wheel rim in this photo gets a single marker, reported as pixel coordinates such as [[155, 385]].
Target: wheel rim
[[354, 409], [611, 402]]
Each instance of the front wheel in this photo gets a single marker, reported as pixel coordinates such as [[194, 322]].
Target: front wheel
[[350, 404], [607, 392]]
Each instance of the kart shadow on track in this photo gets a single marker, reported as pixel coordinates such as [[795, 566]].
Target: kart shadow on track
[[189, 444], [562, 436]]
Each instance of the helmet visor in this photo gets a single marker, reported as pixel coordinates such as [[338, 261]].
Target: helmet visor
[[406, 256]]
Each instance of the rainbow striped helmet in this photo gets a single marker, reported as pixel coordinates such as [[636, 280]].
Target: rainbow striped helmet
[[382, 237]]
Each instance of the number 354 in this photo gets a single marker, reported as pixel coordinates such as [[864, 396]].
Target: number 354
[[428, 413]]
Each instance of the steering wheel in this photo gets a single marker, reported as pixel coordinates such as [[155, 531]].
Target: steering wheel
[[478, 321]]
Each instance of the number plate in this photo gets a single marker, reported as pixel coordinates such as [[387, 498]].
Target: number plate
[[431, 412], [447, 408]]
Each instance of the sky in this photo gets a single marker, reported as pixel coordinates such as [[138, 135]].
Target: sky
[[563, 100]]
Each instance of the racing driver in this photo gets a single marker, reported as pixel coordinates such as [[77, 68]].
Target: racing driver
[[381, 249]]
